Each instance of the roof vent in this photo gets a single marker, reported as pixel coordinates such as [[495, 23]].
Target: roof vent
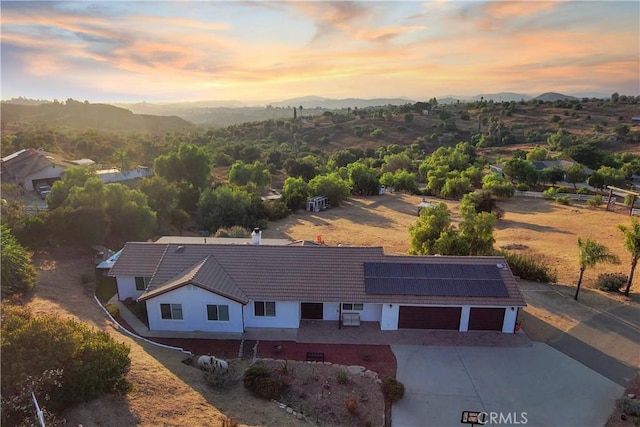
[[180, 249], [500, 266]]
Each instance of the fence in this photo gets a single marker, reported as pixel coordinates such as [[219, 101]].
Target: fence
[[538, 195]]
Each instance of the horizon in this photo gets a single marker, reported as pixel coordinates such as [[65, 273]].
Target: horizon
[[258, 53]]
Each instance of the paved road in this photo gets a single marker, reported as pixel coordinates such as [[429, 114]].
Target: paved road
[[536, 386], [600, 333]]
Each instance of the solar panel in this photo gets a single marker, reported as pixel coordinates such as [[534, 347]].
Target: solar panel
[[462, 280]]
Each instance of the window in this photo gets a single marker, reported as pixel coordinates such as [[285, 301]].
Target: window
[[217, 312], [142, 282], [349, 306], [171, 311], [262, 308]]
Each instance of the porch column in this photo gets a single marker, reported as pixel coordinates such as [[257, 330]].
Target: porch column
[[464, 318]]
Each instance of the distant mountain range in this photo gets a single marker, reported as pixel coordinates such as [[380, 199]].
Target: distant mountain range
[[182, 115], [83, 115]]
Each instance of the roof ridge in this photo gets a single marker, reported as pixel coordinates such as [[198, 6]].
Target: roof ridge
[[164, 253], [224, 270]]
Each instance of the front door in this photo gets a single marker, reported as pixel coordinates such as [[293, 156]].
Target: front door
[[311, 310]]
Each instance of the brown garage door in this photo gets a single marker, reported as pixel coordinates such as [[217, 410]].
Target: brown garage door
[[429, 317], [311, 310], [486, 319]]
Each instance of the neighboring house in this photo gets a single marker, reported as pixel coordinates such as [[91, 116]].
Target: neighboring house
[[231, 287], [116, 175], [30, 167]]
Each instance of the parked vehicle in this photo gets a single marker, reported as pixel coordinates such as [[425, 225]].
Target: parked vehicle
[[43, 190]]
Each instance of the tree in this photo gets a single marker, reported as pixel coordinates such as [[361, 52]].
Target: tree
[[226, 206], [607, 176], [18, 274], [575, 174], [521, 170], [294, 193], [404, 181], [592, 253], [431, 224], [497, 185], [332, 186], [189, 163], [364, 180], [162, 196], [537, 154], [552, 175], [632, 244]]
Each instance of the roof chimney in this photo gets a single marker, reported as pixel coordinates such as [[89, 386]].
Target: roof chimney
[[256, 236]]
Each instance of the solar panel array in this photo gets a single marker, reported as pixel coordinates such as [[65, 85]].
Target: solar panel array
[[464, 280]]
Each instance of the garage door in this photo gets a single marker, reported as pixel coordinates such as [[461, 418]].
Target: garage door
[[486, 319], [311, 310], [429, 318]]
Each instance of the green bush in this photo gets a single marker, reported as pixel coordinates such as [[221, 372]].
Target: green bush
[[276, 210], [550, 193], [71, 363], [629, 406], [342, 377], [583, 190], [528, 267], [595, 200], [392, 389], [522, 187], [563, 190], [564, 200], [258, 379], [112, 309], [18, 276], [611, 282]]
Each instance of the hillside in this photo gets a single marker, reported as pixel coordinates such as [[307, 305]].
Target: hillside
[[79, 115]]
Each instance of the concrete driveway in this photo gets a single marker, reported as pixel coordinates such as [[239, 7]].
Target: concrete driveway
[[536, 386]]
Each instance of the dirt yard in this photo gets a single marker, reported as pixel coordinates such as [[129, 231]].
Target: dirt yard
[[543, 228]]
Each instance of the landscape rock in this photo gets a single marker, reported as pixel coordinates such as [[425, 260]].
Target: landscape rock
[[355, 369]]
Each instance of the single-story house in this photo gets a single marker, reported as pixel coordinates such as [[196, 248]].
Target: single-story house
[[230, 287], [116, 175], [30, 167]]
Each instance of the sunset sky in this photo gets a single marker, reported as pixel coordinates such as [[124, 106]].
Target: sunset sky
[[261, 51]]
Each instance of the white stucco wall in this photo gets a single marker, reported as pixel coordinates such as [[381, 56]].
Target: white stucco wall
[[287, 316], [194, 302], [510, 317], [50, 172], [389, 317], [369, 312], [127, 288]]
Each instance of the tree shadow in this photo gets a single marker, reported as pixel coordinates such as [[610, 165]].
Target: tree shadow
[[504, 224]]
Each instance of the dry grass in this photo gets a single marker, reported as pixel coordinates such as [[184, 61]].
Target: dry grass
[[166, 392], [547, 229]]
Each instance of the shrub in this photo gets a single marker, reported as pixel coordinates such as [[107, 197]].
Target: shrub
[[564, 200], [222, 379], [629, 406], [611, 282], [89, 362], [113, 309], [276, 210], [583, 190], [342, 378], [18, 275], [261, 383], [522, 187], [352, 405], [233, 231], [392, 389], [528, 267], [550, 193], [595, 200]]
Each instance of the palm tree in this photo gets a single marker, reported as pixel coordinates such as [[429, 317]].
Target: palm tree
[[592, 253], [632, 243]]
